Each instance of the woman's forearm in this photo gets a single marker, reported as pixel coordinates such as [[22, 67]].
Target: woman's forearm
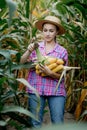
[[55, 75], [25, 56]]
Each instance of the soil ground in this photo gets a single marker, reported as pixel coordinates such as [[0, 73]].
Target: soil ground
[[68, 118]]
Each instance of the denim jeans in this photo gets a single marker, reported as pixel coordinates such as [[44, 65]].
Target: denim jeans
[[56, 106]]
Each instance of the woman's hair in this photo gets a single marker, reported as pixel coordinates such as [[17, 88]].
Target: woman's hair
[[51, 23]]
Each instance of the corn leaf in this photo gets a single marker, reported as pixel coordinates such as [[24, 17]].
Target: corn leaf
[[7, 109]]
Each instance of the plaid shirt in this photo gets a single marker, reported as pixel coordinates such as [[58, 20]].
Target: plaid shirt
[[46, 85]]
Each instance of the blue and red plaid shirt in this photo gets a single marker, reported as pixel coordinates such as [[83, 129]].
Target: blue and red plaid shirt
[[46, 85]]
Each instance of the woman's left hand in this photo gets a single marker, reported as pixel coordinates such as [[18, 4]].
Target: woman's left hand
[[45, 70], [48, 72]]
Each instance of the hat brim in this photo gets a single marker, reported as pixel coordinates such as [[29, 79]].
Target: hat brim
[[39, 25]]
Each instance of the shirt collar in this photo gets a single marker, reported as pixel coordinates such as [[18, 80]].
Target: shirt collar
[[41, 44]]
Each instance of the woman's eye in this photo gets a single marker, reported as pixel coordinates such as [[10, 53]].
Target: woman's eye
[[44, 30], [51, 31]]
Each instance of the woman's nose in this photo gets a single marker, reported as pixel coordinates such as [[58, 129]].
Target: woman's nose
[[48, 32]]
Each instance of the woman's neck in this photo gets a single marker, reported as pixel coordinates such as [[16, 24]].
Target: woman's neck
[[52, 43], [49, 46]]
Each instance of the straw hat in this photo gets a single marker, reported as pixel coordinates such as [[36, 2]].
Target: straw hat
[[53, 20]]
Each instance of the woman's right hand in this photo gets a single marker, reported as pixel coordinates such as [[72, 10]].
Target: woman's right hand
[[25, 56], [31, 47]]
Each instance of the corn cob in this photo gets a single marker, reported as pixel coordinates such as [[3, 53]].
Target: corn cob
[[51, 63], [43, 74], [58, 68], [60, 61], [50, 60], [40, 57], [38, 71], [52, 66], [37, 67]]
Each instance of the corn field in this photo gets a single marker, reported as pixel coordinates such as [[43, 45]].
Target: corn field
[[17, 18]]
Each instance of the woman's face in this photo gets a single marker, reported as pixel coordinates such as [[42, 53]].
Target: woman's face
[[49, 32]]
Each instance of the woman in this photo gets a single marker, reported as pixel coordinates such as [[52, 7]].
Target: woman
[[50, 27]]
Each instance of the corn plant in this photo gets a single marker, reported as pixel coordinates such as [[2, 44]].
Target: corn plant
[[74, 18], [12, 32]]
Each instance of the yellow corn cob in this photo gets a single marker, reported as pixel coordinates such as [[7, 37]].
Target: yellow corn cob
[[38, 71], [52, 66], [52, 63], [55, 68], [37, 67], [43, 74], [60, 61], [58, 68], [50, 60]]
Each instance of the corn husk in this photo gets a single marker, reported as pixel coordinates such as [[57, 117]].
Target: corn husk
[[65, 69]]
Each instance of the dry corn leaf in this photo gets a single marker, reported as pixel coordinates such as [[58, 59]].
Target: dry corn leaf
[[23, 73], [68, 103], [79, 105]]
